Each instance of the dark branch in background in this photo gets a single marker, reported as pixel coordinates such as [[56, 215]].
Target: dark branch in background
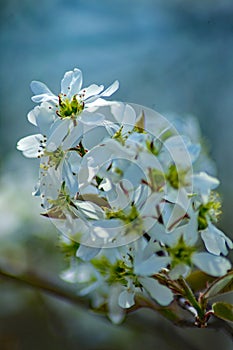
[[45, 284], [62, 290]]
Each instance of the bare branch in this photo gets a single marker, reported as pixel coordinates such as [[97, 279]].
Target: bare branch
[[60, 289]]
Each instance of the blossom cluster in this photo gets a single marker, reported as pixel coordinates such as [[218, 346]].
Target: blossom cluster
[[127, 190]]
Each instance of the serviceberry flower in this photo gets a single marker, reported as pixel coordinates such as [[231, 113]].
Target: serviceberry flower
[[120, 271], [132, 193], [183, 252], [73, 100]]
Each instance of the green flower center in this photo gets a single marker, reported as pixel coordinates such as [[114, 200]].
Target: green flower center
[[211, 210], [116, 272], [119, 137], [70, 109], [181, 253], [176, 178], [60, 205], [55, 158], [156, 179], [131, 218]]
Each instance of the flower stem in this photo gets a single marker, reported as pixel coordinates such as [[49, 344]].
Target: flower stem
[[188, 294]]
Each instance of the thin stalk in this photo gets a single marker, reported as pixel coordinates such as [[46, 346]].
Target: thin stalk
[[188, 294]]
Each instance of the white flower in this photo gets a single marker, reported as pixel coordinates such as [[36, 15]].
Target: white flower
[[181, 245], [118, 179], [56, 156], [73, 100], [120, 274]]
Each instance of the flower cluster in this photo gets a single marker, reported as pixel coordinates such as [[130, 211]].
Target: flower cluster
[[125, 188]]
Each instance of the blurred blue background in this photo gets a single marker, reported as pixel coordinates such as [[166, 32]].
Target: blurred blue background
[[173, 56]]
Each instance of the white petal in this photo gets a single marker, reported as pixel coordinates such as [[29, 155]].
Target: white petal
[[43, 116], [189, 231], [32, 116], [203, 183], [91, 90], [96, 158], [160, 293], [149, 207], [151, 266], [211, 264], [179, 270], [71, 83], [69, 178], [74, 161], [94, 135], [90, 210], [176, 147], [180, 197], [115, 312], [125, 115], [73, 138], [215, 240], [91, 118], [41, 92], [58, 135], [194, 151], [126, 299], [29, 145], [87, 253], [89, 289], [69, 275], [172, 215], [111, 89]]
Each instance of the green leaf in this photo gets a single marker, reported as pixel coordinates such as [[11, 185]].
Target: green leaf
[[221, 285], [223, 311], [199, 280]]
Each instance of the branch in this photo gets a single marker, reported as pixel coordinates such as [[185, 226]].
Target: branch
[[48, 285], [58, 289]]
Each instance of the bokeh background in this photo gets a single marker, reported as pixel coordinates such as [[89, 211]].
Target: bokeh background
[[175, 56]]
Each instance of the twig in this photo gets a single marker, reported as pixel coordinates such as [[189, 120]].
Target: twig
[[61, 290], [48, 285]]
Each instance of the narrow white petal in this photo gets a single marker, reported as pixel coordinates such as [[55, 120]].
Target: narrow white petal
[[111, 89], [71, 82], [92, 90], [115, 312]]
